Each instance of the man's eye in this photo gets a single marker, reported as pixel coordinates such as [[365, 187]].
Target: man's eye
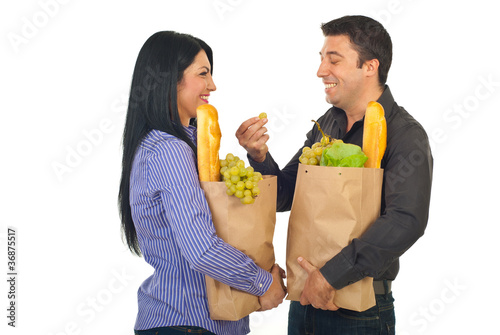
[[203, 73]]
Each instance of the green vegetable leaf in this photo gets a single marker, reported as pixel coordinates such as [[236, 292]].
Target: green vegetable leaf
[[344, 155]]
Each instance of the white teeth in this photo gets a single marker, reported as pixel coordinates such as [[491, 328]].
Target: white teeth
[[330, 85]]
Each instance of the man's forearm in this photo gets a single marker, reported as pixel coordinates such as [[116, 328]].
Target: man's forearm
[[286, 179]]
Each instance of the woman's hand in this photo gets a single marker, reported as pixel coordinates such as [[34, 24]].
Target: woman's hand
[[252, 136], [276, 292]]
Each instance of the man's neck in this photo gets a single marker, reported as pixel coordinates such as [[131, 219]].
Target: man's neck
[[357, 112]]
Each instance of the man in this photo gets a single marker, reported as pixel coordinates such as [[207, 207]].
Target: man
[[355, 60]]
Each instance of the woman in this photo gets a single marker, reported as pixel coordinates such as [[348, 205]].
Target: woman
[[165, 216]]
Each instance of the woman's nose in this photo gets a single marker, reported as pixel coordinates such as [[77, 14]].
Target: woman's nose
[[210, 84]]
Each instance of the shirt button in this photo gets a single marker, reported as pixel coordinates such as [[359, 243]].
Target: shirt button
[[260, 285]]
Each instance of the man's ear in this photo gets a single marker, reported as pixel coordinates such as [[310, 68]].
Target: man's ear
[[371, 67]]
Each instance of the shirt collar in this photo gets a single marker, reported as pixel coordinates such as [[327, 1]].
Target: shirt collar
[[191, 132], [387, 101]]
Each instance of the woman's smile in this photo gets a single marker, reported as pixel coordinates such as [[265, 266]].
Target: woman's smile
[[204, 98]]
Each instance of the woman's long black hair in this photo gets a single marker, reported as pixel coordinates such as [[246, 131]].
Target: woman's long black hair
[[152, 104]]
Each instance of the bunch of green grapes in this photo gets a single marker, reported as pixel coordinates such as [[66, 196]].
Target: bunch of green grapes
[[241, 181], [312, 155]]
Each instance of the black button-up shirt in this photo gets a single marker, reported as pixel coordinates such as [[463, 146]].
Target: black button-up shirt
[[406, 191]]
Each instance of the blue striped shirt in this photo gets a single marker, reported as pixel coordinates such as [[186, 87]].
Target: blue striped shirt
[[177, 238]]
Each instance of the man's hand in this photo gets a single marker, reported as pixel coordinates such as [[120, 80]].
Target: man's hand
[[276, 292], [252, 136], [317, 291]]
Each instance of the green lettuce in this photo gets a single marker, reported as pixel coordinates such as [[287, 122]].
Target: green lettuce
[[343, 155]]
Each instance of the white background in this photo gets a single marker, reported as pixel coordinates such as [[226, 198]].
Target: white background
[[65, 74]]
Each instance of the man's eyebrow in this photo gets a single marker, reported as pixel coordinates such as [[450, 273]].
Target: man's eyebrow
[[335, 53]]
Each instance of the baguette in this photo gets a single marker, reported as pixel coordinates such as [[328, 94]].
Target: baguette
[[374, 135], [208, 143]]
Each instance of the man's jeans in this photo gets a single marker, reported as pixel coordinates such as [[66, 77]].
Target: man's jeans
[[380, 319]]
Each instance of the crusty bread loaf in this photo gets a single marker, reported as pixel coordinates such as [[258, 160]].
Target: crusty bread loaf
[[374, 134], [209, 136]]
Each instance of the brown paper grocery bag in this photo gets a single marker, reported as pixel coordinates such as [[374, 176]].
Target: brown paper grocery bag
[[331, 206], [250, 229]]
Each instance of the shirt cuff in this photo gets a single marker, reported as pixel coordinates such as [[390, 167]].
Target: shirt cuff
[[261, 284], [263, 167], [339, 272]]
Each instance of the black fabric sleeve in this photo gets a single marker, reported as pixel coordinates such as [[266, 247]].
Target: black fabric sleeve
[[405, 196], [287, 176]]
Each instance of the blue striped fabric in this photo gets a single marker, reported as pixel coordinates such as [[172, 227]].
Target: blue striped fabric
[[177, 238]]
